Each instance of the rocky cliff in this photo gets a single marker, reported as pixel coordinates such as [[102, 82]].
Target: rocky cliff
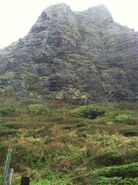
[[83, 50]]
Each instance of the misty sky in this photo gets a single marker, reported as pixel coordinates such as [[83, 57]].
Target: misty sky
[[17, 16]]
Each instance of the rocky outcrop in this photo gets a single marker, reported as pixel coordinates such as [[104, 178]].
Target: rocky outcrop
[[83, 50]]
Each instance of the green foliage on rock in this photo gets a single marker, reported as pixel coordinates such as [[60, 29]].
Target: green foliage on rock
[[7, 91]]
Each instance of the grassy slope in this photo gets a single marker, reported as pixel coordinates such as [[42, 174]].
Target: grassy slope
[[61, 149]]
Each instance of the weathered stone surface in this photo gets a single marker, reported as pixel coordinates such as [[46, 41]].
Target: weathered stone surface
[[84, 50]]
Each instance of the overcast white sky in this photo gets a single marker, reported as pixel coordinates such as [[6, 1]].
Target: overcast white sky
[[17, 16]]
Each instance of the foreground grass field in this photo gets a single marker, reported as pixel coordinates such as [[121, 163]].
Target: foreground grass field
[[68, 145]]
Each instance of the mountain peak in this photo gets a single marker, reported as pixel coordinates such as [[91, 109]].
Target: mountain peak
[[100, 14], [58, 8], [84, 50], [100, 7]]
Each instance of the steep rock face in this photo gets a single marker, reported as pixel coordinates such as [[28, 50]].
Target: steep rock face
[[83, 50]]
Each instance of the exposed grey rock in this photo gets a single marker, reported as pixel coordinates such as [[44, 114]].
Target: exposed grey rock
[[86, 50]]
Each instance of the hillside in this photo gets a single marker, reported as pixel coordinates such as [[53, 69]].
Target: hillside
[[57, 145], [85, 50]]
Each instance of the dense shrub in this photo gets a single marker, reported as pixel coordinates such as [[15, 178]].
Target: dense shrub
[[26, 157], [8, 132], [87, 111], [8, 111], [109, 158], [131, 155], [113, 181], [130, 132], [37, 110], [123, 118], [128, 170]]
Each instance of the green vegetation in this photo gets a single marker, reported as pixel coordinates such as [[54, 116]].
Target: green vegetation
[[65, 144], [127, 117], [114, 181], [87, 111], [130, 170], [7, 91], [130, 132], [38, 110], [7, 110], [109, 158]]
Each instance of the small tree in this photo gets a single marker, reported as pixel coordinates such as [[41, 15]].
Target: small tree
[[71, 96], [63, 96], [35, 95], [78, 97]]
